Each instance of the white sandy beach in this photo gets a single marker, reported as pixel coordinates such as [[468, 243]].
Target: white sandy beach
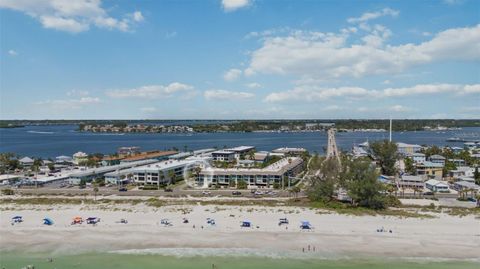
[[333, 235]]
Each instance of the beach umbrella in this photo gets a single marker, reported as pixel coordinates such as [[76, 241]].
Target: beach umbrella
[[47, 221]]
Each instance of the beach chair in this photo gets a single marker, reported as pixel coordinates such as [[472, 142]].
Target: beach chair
[[246, 224], [282, 221], [210, 221], [165, 222], [185, 220], [123, 221]]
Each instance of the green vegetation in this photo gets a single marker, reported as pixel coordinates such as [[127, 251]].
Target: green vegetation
[[386, 154], [8, 192], [242, 185]]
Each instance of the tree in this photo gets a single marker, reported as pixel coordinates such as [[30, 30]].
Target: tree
[[448, 167], [363, 185], [242, 185], [172, 176], [476, 176], [51, 167], [386, 154], [295, 190], [95, 191], [83, 183], [433, 150], [322, 187], [409, 167]]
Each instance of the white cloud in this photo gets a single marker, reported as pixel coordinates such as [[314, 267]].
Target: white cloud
[[152, 91], [78, 93], [12, 53], [329, 56], [66, 104], [313, 93], [399, 108], [374, 15], [232, 5], [253, 85], [72, 16], [226, 95], [137, 16], [148, 109], [232, 74]]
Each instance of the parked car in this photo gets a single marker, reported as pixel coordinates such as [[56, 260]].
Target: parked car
[[168, 190], [236, 193], [123, 189]]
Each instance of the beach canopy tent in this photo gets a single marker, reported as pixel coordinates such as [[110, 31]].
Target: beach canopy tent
[[17, 219], [283, 221], [306, 225], [246, 224], [47, 221], [93, 220]]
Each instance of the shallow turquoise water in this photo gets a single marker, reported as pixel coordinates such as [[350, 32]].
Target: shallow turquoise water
[[130, 261]]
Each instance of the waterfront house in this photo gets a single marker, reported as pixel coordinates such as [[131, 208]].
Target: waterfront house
[[430, 170], [465, 185], [63, 160], [408, 149], [436, 185], [457, 162], [80, 157], [407, 181], [437, 159], [26, 161], [417, 157]]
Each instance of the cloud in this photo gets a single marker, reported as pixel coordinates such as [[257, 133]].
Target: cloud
[[137, 16], [77, 93], [72, 16], [253, 85], [329, 55], [152, 91], [12, 53], [232, 5], [232, 74], [374, 15], [226, 95], [148, 109], [310, 93], [399, 108], [66, 104]]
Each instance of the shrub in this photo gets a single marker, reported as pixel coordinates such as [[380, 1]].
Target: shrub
[[8, 192]]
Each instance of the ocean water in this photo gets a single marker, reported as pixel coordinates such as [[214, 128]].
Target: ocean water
[[147, 261], [52, 141]]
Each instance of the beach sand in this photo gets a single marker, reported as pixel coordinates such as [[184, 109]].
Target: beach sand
[[333, 236]]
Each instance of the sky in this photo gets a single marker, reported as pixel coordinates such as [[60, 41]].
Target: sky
[[239, 59]]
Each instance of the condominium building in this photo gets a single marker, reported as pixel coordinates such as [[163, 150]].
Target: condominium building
[[160, 173], [266, 177]]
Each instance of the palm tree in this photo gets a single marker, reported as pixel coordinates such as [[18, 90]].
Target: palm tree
[[95, 191]]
